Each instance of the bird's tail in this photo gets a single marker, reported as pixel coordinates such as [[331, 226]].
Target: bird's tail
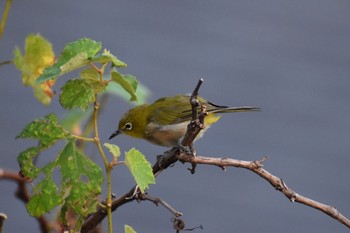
[[236, 109], [225, 109]]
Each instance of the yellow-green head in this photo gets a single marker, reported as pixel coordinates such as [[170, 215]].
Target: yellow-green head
[[165, 121]]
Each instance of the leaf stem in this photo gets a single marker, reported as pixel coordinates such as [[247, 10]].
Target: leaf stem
[[86, 139], [108, 167]]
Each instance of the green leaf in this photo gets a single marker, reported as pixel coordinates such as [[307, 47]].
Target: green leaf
[[38, 54], [93, 78], [129, 229], [77, 93], [127, 82], [106, 57], [114, 149], [46, 130], [140, 169], [75, 55], [46, 198], [98, 85], [132, 80], [142, 92], [90, 73], [25, 160], [81, 180]]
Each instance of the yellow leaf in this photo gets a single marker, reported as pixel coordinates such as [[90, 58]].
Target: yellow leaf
[[38, 54]]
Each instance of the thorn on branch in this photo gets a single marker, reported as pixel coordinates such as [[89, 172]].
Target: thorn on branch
[[259, 163]]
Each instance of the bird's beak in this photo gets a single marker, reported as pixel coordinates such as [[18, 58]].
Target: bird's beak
[[114, 134]]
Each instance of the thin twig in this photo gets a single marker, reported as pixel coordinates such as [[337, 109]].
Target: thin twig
[[5, 62], [276, 182], [157, 201]]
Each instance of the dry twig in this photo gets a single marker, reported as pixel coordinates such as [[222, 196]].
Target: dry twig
[[277, 183]]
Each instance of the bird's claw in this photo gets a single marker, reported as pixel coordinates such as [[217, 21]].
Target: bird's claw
[[189, 150]]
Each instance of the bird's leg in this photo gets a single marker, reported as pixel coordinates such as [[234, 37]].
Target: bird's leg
[[189, 150]]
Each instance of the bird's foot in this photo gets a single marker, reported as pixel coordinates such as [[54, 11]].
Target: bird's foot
[[189, 150]]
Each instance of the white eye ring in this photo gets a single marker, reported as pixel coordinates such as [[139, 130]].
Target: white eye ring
[[128, 126]]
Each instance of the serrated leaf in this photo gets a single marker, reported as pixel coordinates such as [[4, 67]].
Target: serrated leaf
[[38, 54], [77, 93], [129, 229], [140, 169], [80, 184], [46, 198], [75, 55], [46, 130], [114, 149], [82, 178], [128, 83], [106, 57], [25, 160]]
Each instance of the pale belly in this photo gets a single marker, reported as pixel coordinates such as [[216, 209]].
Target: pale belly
[[169, 135]]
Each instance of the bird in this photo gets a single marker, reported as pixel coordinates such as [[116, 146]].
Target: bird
[[164, 122]]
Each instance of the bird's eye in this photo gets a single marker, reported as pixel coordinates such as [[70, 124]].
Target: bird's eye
[[128, 126]]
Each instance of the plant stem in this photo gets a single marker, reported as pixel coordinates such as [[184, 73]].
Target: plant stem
[[86, 139], [108, 167], [4, 17]]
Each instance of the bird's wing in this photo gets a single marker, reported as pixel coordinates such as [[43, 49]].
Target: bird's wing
[[178, 111]]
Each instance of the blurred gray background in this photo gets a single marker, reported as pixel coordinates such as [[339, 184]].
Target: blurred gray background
[[291, 58]]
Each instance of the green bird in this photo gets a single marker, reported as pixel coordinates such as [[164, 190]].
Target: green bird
[[165, 121]]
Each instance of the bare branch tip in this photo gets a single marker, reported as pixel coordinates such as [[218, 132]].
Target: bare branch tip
[[3, 216], [195, 91]]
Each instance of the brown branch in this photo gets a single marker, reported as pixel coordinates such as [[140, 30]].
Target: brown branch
[[277, 183], [196, 124]]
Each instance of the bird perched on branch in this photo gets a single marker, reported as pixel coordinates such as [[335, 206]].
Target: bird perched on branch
[[165, 121]]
